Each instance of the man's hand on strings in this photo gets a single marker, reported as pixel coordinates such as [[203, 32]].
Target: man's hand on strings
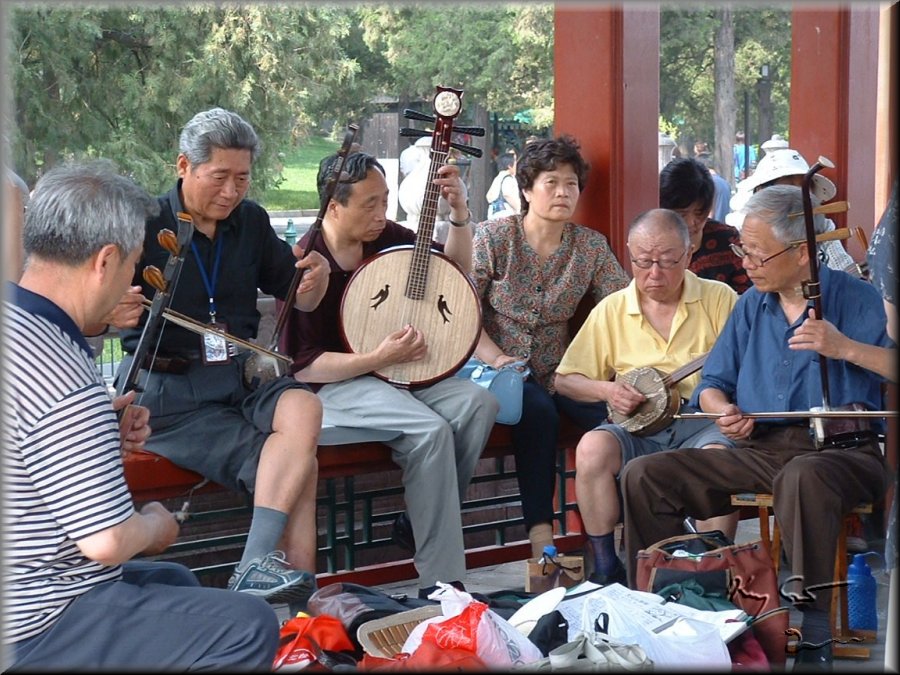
[[820, 336]]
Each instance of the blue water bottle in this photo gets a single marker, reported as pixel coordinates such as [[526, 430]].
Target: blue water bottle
[[861, 593]]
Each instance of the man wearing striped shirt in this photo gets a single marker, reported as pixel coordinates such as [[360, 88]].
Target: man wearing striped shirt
[[73, 598]]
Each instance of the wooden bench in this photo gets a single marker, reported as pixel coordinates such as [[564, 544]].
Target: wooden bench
[[152, 477], [840, 626]]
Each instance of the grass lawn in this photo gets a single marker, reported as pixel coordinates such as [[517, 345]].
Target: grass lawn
[[298, 191]]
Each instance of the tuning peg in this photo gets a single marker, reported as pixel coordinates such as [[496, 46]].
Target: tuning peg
[[168, 240], [414, 133], [416, 115], [468, 149], [472, 131], [154, 277]]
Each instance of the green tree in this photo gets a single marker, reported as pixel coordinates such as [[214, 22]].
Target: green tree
[[120, 83]]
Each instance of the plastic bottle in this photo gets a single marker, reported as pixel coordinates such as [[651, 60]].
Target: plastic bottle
[[290, 232], [861, 592]]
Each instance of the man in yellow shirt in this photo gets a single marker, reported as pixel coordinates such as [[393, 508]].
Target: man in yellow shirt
[[666, 317]]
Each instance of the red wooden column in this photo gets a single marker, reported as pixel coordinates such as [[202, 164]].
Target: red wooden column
[[834, 94], [607, 96]]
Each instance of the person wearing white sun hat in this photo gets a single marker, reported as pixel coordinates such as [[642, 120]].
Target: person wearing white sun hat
[[785, 166]]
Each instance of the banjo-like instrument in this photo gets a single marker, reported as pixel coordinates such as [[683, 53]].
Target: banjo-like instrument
[[663, 400], [416, 286]]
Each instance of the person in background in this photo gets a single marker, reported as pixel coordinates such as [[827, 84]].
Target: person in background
[[441, 429], [665, 318], [753, 368], [784, 166], [73, 597], [532, 271], [411, 193], [744, 157], [686, 187], [720, 207], [503, 194], [257, 441]]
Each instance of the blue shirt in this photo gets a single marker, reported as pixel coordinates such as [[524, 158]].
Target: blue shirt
[[722, 199], [752, 364]]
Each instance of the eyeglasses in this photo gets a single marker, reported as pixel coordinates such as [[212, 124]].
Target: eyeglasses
[[664, 263], [756, 260]]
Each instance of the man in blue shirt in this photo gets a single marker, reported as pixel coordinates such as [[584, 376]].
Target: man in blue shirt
[[744, 157], [763, 362]]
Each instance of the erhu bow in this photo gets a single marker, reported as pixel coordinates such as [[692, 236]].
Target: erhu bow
[[265, 365]]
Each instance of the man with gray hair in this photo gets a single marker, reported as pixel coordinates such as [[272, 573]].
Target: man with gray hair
[[762, 363], [663, 319], [73, 597], [259, 441]]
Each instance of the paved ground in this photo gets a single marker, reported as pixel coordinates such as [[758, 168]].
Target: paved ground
[[511, 576]]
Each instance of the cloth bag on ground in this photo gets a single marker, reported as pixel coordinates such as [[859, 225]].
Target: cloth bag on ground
[[744, 571], [472, 626], [505, 384]]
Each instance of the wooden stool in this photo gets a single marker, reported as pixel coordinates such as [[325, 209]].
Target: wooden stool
[[840, 625]]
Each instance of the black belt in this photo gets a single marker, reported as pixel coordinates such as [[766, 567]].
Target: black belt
[[175, 365]]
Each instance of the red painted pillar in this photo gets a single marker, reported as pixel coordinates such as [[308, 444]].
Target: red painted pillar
[[834, 82], [607, 96]]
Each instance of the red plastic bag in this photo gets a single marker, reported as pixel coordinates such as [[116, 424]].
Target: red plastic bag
[[305, 638]]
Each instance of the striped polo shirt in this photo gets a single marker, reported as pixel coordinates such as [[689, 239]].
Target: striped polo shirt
[[62, 466]]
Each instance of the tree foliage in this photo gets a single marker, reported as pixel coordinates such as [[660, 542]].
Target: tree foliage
[[687, 44], [121, 82]]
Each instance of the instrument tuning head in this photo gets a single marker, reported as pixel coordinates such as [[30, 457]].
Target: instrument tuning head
[[827, 163]]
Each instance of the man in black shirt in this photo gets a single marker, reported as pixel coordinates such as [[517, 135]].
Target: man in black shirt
[[262, 441]]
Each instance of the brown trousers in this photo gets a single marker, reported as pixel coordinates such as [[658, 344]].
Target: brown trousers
[[813, 490]]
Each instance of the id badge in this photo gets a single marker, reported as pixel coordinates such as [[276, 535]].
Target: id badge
[[214, 348]]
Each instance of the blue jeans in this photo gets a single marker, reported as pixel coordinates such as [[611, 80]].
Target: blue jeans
[[535, 441]]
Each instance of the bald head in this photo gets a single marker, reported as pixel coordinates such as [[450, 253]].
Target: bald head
[[657, 222]]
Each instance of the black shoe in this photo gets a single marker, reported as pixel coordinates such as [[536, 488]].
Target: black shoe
[[425, 592], [812, 659], [617, 576], [402, 533]]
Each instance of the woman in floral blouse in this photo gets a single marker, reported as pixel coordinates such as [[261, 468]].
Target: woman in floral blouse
[[531, 271]]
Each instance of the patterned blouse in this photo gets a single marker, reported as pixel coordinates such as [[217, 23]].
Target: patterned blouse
[[715, 259], [527, 302]]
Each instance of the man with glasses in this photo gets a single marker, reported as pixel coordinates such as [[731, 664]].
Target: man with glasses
[[666, 317], [768, 360], [261, 441]]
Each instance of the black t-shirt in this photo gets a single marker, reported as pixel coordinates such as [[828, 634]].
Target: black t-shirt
[[253, 257]]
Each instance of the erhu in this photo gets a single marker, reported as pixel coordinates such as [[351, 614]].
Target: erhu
[[267, 364]]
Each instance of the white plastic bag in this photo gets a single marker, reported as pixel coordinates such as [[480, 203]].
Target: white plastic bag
[[468, 624], [674, 642]]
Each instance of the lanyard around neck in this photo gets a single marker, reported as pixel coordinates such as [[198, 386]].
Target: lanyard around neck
[[210, 283]]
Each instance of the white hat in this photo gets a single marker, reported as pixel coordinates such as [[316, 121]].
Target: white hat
[[423, 141], [775, 143], [786, 162]]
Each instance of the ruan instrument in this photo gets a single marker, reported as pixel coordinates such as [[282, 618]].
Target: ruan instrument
[[416, 286], [177, 246], [266, 364], [663, 400]]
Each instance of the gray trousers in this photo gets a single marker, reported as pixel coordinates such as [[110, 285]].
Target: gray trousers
[[156, 618], [813, 490], [444, 428]]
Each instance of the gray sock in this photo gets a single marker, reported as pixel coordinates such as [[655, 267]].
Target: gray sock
[[266, 529]]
